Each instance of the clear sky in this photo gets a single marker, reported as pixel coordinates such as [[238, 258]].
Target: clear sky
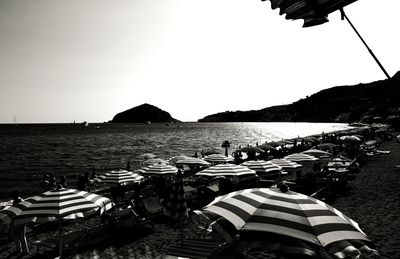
[[86, 60]]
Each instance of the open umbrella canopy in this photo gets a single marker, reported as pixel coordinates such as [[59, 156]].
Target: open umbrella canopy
[[286, 164], [120, 177], [56, 204], [218, 158], [192, 161], [175, 159], [153, 161], [300, 157], [262, 167], [158, 170], [313, 12], [291, 222], [317, 153], [226, 170]]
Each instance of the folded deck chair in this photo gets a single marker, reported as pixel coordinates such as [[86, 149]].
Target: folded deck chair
[[196, 249]]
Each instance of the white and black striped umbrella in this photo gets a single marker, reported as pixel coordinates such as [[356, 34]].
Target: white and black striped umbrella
[[120, 177], [262, 167], [175, 159], [286, 165], [317, 153], [218, 159], [176, 206], [193, 161], [158, 170], [57, 204], [226, 170], [300, 157], [290, 222]]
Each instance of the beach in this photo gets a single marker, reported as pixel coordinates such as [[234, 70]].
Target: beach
[[371, 201]]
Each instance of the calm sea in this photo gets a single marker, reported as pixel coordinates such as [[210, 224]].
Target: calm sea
[[28, 151]]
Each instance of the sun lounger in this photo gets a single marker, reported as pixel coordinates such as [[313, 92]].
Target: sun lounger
[[196, 249]]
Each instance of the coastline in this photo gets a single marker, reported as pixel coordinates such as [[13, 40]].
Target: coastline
[[371, 202]]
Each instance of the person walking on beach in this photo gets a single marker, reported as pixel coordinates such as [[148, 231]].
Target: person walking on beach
[[18, 232]]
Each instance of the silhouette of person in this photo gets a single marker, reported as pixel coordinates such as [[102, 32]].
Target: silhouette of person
[[63, 181]]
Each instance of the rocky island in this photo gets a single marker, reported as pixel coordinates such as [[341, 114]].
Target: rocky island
[[144, 113]]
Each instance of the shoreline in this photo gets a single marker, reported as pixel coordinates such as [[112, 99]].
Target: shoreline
[[378, 181]]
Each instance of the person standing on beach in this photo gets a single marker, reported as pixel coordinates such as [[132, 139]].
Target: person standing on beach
[[18, 232]]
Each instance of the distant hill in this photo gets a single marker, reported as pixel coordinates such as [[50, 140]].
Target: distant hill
[[360, 102], [142, 114]]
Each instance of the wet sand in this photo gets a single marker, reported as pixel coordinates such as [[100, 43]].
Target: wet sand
[[372, 201]]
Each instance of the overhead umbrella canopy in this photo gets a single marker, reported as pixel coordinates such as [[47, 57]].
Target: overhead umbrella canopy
[[294, 223], [218, 158], [120, 177], [192, 161], [226, 170], [313, 12], [153, 161], [276, 143], [158, 170], [261, 166]]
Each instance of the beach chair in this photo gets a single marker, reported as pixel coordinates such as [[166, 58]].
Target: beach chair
[[197, 249], [153, 208]]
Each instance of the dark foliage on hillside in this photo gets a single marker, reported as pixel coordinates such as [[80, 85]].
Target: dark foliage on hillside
[[362, 102], [142, 114]]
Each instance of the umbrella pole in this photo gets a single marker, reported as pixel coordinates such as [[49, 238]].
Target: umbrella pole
[[60, 248], [181, 227], [344, 16]]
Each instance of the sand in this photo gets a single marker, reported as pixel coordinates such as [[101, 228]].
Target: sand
[[372, 201]]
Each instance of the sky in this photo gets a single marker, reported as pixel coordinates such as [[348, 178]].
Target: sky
[[87, 60]]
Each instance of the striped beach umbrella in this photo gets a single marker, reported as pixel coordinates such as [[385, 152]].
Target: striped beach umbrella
[[57, 204], [158, 170], [262, 167], [317, 153], [218, 159], [305, 160], [120, 177], [192, 161], [289, 222], [175, 159], [153, 161], [292, 168], [176, 206], [300, 157], [226, 170]]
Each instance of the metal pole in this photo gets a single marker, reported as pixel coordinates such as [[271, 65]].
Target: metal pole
[[365, 44]]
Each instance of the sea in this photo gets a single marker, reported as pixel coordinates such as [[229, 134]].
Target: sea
[[30, 151]]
